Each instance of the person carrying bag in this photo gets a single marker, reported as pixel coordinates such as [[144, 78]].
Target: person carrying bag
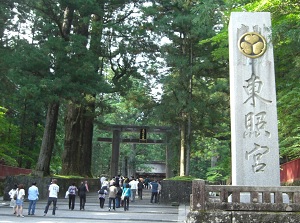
[[126, 194], [13, 197]]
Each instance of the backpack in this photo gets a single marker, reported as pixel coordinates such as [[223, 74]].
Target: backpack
[[120, 191], [72, 190], [101, 191]]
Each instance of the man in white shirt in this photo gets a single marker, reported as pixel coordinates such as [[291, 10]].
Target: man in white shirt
[[53, 192], [133, 186]]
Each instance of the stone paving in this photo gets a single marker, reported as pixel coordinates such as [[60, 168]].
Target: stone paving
[[140, 211]]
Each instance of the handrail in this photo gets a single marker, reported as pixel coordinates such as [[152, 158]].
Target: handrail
[[259, 198]]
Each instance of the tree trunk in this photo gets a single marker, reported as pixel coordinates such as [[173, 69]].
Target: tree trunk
[[43, 165], [190, 97], [32, 141], [87, 140], [132, 161], [71, 156], [182, 148], [77, 155], [188, 147], [22, 143]]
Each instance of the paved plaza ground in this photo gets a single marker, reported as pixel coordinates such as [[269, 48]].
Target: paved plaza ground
[[139, 211]]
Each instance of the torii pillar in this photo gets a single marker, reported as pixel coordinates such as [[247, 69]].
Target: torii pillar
[[114, 164]]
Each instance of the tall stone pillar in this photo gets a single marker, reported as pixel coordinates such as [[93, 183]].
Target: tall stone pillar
[[254, 133]]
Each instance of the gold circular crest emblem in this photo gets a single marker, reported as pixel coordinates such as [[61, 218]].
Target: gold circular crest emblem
[[252, 45]]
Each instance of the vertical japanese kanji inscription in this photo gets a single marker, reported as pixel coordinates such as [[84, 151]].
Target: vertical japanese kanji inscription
[[254, 134]]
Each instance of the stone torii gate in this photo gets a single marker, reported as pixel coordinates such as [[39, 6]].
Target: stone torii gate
[[143, 130]]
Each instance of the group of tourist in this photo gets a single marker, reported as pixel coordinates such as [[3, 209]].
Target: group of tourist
[[81, 190], [17, 195], [119, 190]]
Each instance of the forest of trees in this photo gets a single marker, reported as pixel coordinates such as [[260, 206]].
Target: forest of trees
[[68, 68]]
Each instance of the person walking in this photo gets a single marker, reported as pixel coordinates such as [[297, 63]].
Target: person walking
[[125, 182], [33, 196], [86, 186], [158, 191], [147, 181], [20, 200], [112, 193], [140, 187], [105, 184], [133, 187], [102, 179], [154, 191], [118, 178], [112, 181], [82, 194], [11, 194], [118, 197], [102, 192], [52, 198], [72, 195], [126, 195]]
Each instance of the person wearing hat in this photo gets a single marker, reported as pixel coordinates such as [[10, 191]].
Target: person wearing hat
[[33, 196]]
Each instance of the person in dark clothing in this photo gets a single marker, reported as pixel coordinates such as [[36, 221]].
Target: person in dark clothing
[[82, 195], [72, 194], [118, 180], [147, 181], [118, 197], [140, 187], [154, 191], [102, 192]]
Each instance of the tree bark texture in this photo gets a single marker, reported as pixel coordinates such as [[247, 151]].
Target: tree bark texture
[[87, 139], [77, 155], [43, 164], [71, 161], [182, 149]]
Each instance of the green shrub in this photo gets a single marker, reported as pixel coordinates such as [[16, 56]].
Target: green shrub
[[67, 177], [183, 178]]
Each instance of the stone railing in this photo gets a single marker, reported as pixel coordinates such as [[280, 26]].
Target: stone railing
[[231, 198]]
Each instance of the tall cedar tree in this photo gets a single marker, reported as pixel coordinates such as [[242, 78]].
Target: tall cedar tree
[[185, 23], [86, 49]]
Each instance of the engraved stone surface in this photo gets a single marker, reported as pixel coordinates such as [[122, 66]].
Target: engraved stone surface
[[254, 133]]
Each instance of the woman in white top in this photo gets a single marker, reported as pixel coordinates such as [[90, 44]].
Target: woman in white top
[[20, 200], [12, 200]]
